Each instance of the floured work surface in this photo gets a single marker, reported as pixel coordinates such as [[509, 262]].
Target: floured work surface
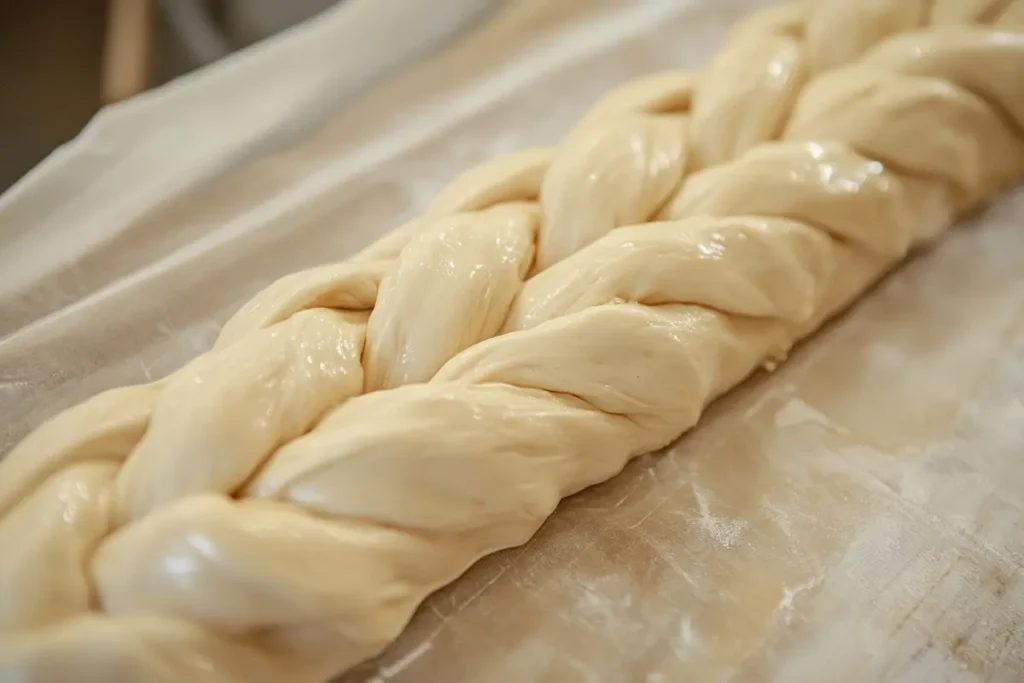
[[855, 516]]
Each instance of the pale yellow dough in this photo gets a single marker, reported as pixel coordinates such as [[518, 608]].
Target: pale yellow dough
[[364, 431]]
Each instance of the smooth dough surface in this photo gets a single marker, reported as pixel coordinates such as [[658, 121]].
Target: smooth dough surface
[[362, 432]]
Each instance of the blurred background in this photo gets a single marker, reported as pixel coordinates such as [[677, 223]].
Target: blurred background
[[60, 60]]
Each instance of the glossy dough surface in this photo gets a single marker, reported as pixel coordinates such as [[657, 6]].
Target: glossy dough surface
[[362, 432]]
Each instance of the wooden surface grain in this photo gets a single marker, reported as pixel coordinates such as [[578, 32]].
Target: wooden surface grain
[[854, 516]]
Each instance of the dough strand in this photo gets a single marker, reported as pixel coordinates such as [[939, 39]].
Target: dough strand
[[363, 432]]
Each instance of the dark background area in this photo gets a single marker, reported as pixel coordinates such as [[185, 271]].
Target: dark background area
[[55, 58], [50, 72]]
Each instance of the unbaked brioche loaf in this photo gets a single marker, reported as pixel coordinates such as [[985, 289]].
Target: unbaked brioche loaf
[[363, 432]]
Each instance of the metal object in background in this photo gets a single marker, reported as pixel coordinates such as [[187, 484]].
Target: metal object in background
[[149, 149], [197, 28], [210, 29], [143, 50]]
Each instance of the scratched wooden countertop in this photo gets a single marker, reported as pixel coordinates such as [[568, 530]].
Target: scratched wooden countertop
[[855, 516]]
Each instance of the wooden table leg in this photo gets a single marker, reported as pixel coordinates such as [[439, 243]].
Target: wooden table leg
[[128, 50]]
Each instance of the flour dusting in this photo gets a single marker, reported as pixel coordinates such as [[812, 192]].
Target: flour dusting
[[797, 412], [786, 606], [687, 639], [725, 532], [388, 672], [778, 516]]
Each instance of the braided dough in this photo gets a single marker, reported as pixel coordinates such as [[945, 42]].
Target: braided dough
[[363, 432]]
